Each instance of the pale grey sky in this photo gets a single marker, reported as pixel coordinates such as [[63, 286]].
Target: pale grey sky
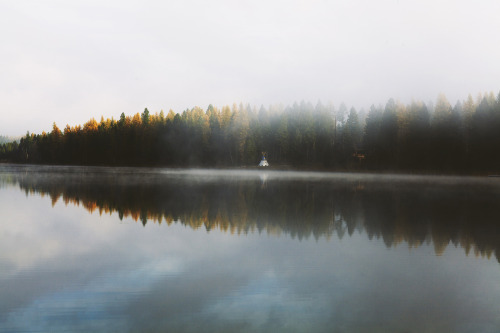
[[68, 61]]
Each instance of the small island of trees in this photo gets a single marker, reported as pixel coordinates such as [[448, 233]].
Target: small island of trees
[[417, 137]]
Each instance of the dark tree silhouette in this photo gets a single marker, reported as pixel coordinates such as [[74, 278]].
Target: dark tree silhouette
[[397, 137]]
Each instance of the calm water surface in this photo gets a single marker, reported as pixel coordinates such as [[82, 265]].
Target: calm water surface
[[123, 249]]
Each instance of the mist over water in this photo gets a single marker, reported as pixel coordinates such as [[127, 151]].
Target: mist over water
[[126, 249]]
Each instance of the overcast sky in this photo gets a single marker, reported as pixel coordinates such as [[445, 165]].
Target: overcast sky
[[68, 61]]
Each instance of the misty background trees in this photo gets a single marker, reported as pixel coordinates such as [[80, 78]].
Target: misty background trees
[[415, 137]]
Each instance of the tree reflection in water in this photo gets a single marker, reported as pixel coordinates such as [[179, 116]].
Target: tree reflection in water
[[399, 209]]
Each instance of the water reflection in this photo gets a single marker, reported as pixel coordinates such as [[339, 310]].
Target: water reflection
[[410, 209], [179, 268]]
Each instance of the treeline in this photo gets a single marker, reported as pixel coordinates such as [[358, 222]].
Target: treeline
[[8, 148], [415, 137], [7, 139]]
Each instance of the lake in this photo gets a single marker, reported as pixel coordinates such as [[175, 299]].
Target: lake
[[134, 249]]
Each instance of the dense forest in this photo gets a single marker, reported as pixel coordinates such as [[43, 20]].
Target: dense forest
[[418, 137]]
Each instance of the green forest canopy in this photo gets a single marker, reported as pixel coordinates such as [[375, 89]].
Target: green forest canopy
[[414, 137]]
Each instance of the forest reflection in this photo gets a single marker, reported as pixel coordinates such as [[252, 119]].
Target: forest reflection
[[408, 211]]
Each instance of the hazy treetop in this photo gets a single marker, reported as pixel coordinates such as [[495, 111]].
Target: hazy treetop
[[69, 61]]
